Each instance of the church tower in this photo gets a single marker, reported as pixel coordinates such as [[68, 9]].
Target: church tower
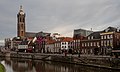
[[21, 23]]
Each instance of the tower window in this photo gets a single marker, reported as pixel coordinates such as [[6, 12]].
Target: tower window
[[23, 20], [20, 19], [21, 33], [21, 26]]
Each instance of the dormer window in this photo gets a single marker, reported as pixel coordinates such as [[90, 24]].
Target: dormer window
[[118, 30], [106, 30]]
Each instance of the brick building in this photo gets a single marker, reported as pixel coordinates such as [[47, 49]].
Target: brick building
[[100, 42]]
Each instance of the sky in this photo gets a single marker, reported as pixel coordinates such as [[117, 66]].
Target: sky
[[62, 16]]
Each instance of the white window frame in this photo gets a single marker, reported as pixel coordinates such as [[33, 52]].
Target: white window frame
[[82, 44], [91, 44], [111, 36], [101, 37], [104, 36], [108, 36], [88, 44]]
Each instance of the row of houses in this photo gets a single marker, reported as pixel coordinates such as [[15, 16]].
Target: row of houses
[[102, 42], [83, 41], [99, 42]]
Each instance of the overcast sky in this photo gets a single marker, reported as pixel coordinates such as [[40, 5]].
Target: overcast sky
[[62, 16]]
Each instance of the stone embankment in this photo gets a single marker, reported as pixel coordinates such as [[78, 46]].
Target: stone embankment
[[94, 61]]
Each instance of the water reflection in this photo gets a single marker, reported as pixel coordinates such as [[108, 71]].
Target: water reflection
[[28, 65]]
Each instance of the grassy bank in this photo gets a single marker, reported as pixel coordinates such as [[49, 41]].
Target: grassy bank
[[2, 68]]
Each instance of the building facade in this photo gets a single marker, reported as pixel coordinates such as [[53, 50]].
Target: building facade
[[99, 43]]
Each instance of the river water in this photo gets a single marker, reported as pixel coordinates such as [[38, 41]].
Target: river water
[[28, 65]]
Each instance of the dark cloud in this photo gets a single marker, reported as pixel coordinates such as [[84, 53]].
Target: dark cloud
[[61, 16]]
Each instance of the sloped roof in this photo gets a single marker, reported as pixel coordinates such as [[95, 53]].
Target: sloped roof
[[50, 41], [24, 42], [30, 34], [96, 35], [110, 29], [67, 39]]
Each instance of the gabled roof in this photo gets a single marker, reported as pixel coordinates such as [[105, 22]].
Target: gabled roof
[[43, 34], [30, 34], [110, 29], [50, 41], [67, 39]]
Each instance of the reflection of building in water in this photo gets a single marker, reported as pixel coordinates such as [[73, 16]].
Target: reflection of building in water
[[26, 65], [51, 67], [22, 65]]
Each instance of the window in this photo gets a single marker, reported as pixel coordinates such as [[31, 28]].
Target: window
[[108, 36], [104, 43], [20, 19], [22, 26], [101, 37], [65, 46], [108, 42], [111, 36], [85, 44], [91, 37], [74, 41], [65, 42], [71, 43], [85, 51], [101, 43], [23, 19], [104, 36], [55, 45], [82, 44], [117, 36], [91, 51], [22, 33], [68, 42], [111, 43], [88, 44], [78, 40], [94, 43], [91, 43], [98, 44], [82, 50]]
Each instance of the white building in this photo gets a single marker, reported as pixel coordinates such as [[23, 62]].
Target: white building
[[65, 43]]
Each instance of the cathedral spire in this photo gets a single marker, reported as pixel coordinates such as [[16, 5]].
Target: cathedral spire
[[21, 23], [21, 10], [21, 7]]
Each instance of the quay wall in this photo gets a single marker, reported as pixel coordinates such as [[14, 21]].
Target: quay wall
[[102, 62]]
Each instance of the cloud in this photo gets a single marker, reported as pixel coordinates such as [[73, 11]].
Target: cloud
[[61, 16]]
